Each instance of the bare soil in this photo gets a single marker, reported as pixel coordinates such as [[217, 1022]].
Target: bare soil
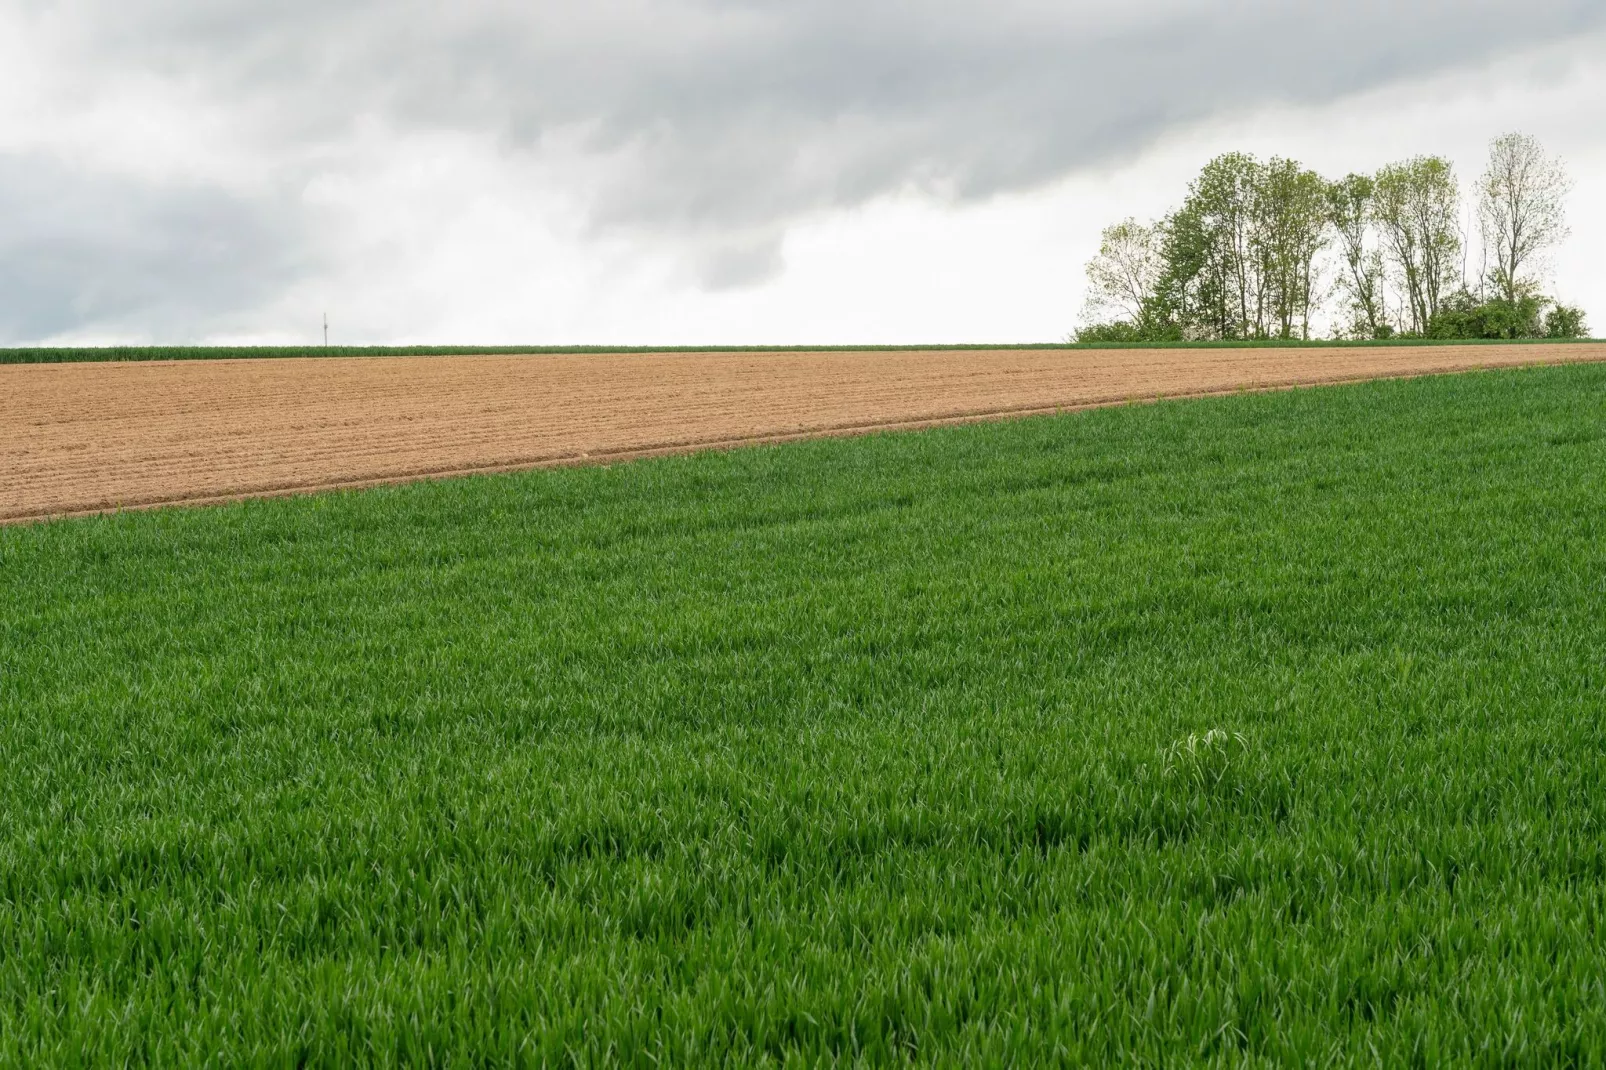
[[82, 438]]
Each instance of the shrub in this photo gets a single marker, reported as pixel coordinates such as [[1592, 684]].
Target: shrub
[[1109, 332], [1152, 330], [1463, 316], [1566, 321]]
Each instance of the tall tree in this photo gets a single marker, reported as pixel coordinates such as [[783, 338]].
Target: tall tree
[[1190, 295], [1213, 283], [1349, 210], [1123, 277], [1521, 210], [1243, 256], [1290, 230], [1417, 211]]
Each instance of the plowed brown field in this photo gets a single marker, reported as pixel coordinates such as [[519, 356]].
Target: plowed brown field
[[77, 438]]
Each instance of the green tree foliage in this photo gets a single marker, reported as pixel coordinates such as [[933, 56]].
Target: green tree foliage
[[1243, 257], [1112, 331], [1417, 210], [1240, 254], [1360, 281], [1462, 315], [1290, 231], [1521, 210], [1566, 321], [1223, 207], [1122, 280]]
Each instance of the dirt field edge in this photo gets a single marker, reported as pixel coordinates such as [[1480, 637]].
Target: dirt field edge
[[696, 445]]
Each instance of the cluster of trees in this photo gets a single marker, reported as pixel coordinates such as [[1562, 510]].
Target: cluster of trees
[[1273, 250]]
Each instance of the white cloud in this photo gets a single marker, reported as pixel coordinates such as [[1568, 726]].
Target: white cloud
[[663, 171]]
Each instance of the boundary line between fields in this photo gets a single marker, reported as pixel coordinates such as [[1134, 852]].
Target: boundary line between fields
[[674, 449]]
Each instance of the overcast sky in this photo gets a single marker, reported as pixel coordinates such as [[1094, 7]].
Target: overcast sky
[[674, 171]]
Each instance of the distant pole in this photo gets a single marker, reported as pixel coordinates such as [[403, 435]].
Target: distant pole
[[326, 330]]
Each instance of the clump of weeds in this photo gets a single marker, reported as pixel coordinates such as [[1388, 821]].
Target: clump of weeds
[[1208, 763], [1204, 777]]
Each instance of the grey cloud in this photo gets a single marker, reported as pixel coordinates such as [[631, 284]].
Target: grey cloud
[[79, 251], [744, 113], [704, 119]]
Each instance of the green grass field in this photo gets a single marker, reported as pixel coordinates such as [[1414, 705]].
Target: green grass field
[[856, 750], [80, 354]]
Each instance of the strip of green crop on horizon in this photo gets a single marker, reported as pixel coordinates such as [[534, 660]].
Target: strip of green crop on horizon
[[1265, 728], [84, 354]]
